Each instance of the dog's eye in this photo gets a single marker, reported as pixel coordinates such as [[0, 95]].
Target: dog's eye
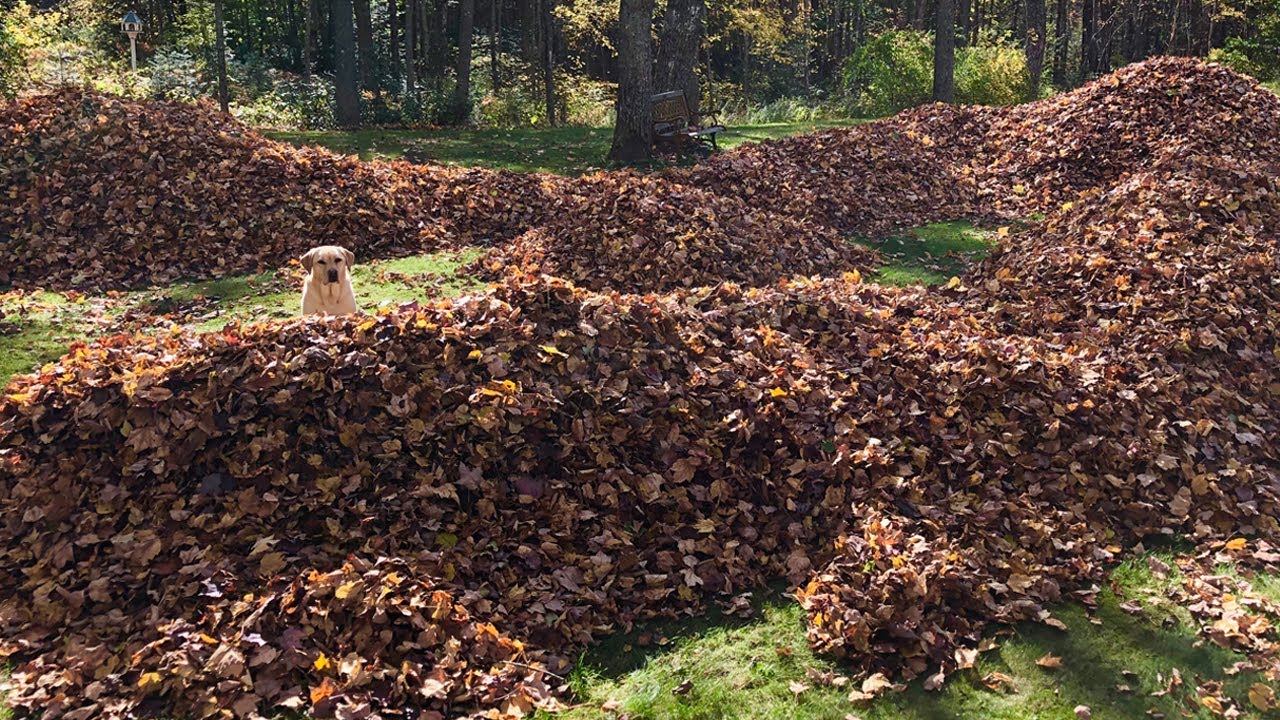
[[322, 262]]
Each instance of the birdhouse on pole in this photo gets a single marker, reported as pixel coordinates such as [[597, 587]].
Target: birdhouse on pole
[[131, 24]]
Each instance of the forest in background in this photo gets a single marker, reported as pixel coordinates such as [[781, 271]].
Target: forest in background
[[508, 63]]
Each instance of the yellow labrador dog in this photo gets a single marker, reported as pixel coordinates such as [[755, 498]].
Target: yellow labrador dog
[[327, 290]]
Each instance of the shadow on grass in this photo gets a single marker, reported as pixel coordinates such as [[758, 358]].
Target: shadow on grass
[[763, 668], [931, 254]]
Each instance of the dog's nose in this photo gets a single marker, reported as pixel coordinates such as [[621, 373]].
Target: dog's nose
[[333, 276]]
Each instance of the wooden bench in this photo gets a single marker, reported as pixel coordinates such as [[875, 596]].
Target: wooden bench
[[674, 124]]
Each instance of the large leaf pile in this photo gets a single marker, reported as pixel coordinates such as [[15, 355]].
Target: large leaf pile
[[1038, 155], [434, 508], [674, 236]]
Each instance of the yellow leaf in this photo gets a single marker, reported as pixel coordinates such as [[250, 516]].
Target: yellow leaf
[[149, 679], [778, 392], [705, 525], [552, 350], [345, 590], [1263, 697], [321, 662], [1237, 544]]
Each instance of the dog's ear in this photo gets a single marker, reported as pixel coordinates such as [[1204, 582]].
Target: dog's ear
[[350, 256], [307, 259]]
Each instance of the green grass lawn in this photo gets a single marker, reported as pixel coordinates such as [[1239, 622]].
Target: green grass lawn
[[1118, 664], [566, 150], [36, 328], [931, 254]]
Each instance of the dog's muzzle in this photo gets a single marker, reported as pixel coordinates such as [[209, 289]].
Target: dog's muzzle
[[333, 276]]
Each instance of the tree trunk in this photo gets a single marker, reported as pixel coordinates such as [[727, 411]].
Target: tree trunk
[[364, 44], [410, 36], [1088, 40], [220, 48], [806, 46], [393, 39], [462, 91], [1061, 43], [633, 131], [944, 52], [678, 48], [437, 49], [966, 18], [495, 43], [292, 34], [549, 59], [1035, 44], [1105, 12], [423, 9], [309, 42], [346, 92], [529, 23]]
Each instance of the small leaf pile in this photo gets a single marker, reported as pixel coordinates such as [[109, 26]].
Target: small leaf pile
[[672, 236], [435, 508], [907, 170]]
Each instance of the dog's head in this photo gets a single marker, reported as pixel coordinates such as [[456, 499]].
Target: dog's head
[[328, 263]]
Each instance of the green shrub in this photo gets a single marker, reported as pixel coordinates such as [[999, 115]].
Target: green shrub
[[1251, 57], [172, 74], [892, 71], [993, 73], [12, 60], [522, 102], [290, 104]]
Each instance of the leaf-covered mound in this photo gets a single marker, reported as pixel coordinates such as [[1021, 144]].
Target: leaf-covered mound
[[1039, 155], [101, 191], [635, 233], [907, 170], [938, 162]]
